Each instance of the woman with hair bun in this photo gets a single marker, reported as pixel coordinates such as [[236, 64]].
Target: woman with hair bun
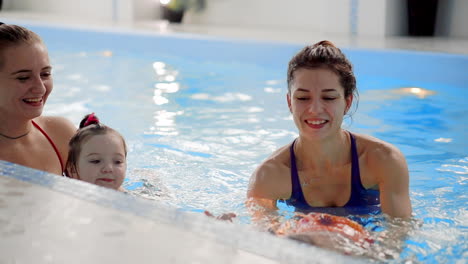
[[328, 169]]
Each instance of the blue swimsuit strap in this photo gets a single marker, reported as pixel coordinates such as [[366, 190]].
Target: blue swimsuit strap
[[297, 196], [356, 185]]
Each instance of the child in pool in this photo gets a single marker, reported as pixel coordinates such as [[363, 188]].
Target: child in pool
[[97, 154]]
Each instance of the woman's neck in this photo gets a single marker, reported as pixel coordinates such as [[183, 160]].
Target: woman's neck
[[14, 129], [328, 152]]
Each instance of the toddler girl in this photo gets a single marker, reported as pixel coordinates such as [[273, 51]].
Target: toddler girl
[[97, 154]]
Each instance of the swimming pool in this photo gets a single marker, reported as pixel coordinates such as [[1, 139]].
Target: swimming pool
[[199, 114]]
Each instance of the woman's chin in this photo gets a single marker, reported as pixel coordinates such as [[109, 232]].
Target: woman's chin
[[315, 134], [33, 113]]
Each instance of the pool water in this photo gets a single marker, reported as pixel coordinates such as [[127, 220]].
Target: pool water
[[200, 114]]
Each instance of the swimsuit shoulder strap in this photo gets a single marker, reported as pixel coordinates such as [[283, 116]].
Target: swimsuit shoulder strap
[[355, 172], [297, 195], [360, 196], [356, 185], [51, 143]]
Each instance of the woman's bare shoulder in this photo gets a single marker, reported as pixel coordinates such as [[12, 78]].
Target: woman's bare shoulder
[[59, 129], [272, 176], [278, 160], [378, 152], [56, 124], [372, 144]]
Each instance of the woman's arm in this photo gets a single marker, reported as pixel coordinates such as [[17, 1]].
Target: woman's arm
[[267, 185], [264, 212], [389, 166]]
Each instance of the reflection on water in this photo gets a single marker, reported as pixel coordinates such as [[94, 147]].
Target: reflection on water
[[443, 140], [196, 130], [416, 91], [107, 53], [227, 97], [396, 94]]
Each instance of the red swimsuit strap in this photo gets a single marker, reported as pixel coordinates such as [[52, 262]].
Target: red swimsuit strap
[[51, 142]]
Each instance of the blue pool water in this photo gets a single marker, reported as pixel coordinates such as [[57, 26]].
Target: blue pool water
[[199, 114]]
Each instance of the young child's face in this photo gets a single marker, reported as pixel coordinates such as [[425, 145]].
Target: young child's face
[[102, 161]]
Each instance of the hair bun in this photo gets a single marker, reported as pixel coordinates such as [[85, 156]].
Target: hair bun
[[88, 120], [325, 43]]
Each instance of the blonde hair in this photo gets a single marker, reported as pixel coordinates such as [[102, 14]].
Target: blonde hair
[[11, 35]]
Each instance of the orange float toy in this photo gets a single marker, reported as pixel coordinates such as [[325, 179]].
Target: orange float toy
[[321, 222]]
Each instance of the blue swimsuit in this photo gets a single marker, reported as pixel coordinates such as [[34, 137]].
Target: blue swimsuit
[[361, 200]]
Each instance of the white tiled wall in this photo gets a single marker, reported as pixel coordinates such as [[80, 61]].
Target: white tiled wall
[[362, 17], [121, 11], [452, 18], [359, 17]]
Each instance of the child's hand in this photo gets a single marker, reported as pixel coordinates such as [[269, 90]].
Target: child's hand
[[226, 217]]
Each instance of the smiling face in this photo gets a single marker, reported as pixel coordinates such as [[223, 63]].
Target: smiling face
[[317, 102], [25, 80], [102, 161]]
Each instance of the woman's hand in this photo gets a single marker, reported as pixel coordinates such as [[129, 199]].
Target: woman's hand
[[224, 217]]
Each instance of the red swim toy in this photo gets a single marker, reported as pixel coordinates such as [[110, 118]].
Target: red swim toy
[[321, 222]]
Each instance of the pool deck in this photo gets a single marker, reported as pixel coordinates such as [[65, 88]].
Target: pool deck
[[284, 35], [45, 218]]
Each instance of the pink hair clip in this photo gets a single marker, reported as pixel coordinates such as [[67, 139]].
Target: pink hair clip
[[92, 119]]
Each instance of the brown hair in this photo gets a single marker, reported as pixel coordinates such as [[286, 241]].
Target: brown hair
[[89, 126], [11, 35], [324, 54]]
